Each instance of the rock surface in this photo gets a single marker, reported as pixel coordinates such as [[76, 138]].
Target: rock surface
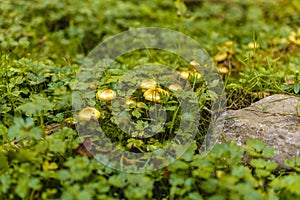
[[274, 120]]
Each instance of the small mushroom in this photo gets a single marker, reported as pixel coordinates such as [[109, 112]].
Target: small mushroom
[[253, 45], [88, 114], [175, 87], [130, 101], [223, 70], [228, 43], [154, 94], [196, 74], [293, 38], [194, 63], [148, 84], [187, 74], [106, 95], [221, 56]]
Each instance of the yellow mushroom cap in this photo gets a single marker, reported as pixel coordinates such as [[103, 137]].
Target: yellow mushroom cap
[[194, 63], [154, 94], [196, 74], [106, 95], [185, 74], [253, 45], [221, 56], [175, 87], [88, 114], [223, 70], [148, 84], [228, 43], [130, 101]]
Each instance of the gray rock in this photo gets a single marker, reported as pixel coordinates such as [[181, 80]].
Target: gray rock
[[274, 120]]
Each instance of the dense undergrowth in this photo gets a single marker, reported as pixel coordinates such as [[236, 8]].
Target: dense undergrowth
[[255, 44]]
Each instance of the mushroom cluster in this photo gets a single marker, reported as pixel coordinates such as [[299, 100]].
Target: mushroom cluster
[[148, 84], [151, 91], [187, 74], [191, 74]]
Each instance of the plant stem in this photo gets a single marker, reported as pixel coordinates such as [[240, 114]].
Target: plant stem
[[174, 118]]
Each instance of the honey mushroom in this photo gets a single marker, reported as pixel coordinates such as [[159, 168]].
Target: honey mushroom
[[175, 87], [148, 84], [130, 101], [88, 113], [106, 95], [154, 94], [186, 74]]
